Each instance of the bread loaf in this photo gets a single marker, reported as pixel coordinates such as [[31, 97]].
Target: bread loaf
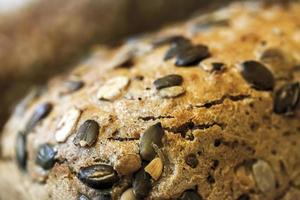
[[206, 109]]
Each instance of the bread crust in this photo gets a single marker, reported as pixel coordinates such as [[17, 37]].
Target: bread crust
[[244, 150]]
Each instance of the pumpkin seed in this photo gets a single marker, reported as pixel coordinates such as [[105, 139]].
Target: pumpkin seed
[[174, 39], [208, 24], [46, 156], [73, 85], [99, 176], [257, 75], [176, 48], [21, 152], [287, 99], [40, 113], [168, 81], [153, 135], [141, 184], [192, 55], [87, 134]]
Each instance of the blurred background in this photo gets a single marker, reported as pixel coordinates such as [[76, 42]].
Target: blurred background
[[7, 5], [41, 38]]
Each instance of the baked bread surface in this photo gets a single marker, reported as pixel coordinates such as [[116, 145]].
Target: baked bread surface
[[206, 109]]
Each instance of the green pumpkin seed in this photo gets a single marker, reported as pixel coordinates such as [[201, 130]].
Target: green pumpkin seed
[[191, 55], [21, 152], [87, 134], [141, 184], [257, 75], [46, 156], [168, 81], [40, 113], [287, 99], [153, 135], [99, 176], [73, 85]]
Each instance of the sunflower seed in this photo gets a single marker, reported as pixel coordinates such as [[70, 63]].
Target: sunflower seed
[[257, 75], [100, 176], [113, 88], [87, 134], [155, 168], [67, 124], [128, 195], [171, 92], [190, 195], [168, 81], [141, 184], [287, 99], [128, 164], [40, 113], [153, 135], [124, 57], [46, 156], [21, 152], [264, 176]]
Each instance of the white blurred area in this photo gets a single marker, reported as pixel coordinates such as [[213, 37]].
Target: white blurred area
[[10, 5]]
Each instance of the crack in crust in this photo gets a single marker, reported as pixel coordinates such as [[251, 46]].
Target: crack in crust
[[191, 126], [148, 118], [282, 194], [234, 98], [122, 139]]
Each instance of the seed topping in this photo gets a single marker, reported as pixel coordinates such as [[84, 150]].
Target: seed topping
[[87, 134]]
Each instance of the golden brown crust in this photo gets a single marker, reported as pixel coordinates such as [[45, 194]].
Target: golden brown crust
[[47, 37], [243, 150]]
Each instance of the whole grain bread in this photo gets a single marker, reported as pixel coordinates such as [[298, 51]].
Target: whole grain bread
[[46, 37], [207, 109]]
